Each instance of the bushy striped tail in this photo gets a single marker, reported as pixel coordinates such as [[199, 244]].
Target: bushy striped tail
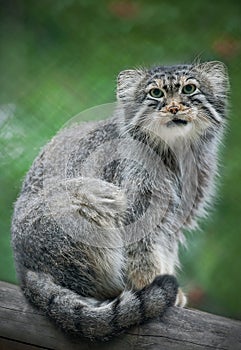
[[99, 320]]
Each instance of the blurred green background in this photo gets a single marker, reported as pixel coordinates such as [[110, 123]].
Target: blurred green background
[[61, 57]]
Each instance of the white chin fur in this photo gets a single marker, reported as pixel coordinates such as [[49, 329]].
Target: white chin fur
[[170, 134]]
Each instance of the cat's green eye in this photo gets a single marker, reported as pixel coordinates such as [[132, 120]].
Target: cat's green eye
[[189, 89], [156, 93]]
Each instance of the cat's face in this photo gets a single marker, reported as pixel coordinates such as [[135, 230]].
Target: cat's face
[[174, 101]]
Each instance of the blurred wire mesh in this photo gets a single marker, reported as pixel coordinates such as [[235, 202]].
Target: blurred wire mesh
[[61, 57]]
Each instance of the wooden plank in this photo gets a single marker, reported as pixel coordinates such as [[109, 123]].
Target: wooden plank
[[8, 344], [22, 326]]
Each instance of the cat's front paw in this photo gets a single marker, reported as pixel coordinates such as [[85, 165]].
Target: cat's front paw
[[181, 299], [98, 201]]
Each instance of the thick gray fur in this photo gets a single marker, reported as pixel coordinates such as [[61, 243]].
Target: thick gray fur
[[97, 225]]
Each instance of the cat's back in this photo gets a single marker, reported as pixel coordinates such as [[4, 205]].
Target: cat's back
[[65, 154]]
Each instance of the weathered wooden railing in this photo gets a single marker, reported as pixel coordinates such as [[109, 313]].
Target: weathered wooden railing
[[22, 327]]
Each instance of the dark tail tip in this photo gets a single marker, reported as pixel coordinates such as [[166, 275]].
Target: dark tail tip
[[169, 285]]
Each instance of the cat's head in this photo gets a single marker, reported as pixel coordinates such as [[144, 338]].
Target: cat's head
[[171, 102]]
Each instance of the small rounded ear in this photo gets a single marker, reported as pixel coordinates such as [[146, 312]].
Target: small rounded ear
[[127, 81], [217, 74]]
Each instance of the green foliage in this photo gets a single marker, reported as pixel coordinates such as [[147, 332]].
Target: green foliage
[[61, 57]]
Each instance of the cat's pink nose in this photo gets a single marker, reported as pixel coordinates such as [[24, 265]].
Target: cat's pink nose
[[173, 109]]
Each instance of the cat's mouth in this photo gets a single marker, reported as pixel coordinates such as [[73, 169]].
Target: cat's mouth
[[176, 121]]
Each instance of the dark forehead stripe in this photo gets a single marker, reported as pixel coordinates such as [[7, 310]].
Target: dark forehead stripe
[[171, 69], [169, 75], [172, 72]]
